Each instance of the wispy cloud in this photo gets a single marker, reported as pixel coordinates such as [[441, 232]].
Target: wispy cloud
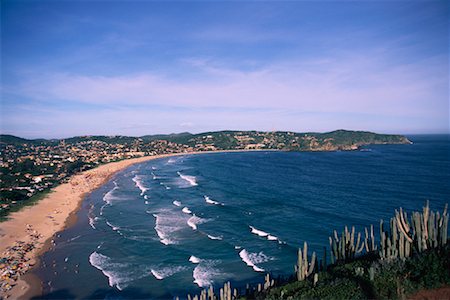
[[351, 84]]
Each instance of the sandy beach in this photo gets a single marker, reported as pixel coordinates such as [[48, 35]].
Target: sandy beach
[[29, 232]]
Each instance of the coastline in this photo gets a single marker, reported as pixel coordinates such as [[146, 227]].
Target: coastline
[[38, 224], [52, 214]]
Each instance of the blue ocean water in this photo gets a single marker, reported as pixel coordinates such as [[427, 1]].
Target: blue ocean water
[[168, 227]]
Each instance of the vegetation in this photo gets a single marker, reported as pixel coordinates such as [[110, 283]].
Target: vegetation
[[383, 271], [226, 140]]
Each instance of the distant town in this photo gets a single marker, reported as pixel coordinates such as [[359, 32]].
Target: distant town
[[30, 167]]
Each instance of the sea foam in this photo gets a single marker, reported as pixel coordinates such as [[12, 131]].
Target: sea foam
[[166, 226], [176, 203], [109, 196], [165, 272], [119, 274], [204, 273], [251, 259], [210, 201], [261, 233], [194, 260], [214, 237], [139, 184], [186, 210], [190, 179], [194, 221]]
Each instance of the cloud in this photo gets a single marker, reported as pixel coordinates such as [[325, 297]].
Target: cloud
[[363, 92], [351, 84]]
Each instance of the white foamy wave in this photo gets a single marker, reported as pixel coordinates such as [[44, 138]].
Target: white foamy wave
[[146, 202], [204, 273], [191, 179], [194, 221], [145, 197], [194, 260], [109, 196], [162, 273], [272, 237], [92, 222], [91, 216], [210, 201], [119, 274], [261, 233], [138, 182], [258, 232], [154, 176], [171, 161], [186, 210], [153, 168], [167, 225], [251, 259], [214, 237], [176, 203], [115, 228]]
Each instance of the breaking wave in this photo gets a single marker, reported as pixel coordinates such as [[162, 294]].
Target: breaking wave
[[186, 210], [210, 201], [214, 237], [190, 179], [194, 221], [167, 225], [261, 233], [162, 273], [109, 196], [252, 259], [194, 260], [119, 274], [139, 184], [204, 273]]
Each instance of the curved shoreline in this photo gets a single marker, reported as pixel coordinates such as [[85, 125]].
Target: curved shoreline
[[56, 212]]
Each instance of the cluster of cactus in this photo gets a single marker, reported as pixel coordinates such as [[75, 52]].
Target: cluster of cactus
[[393, 243], [344, 248], [226, 293], [426, 230], [303, 269]]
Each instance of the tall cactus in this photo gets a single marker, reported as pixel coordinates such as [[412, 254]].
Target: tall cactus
[[345, 248], [303, 269]]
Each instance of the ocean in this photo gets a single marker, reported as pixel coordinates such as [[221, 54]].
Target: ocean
[[172, 226]]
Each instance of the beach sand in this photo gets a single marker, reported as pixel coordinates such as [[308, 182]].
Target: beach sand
[[31, 229]]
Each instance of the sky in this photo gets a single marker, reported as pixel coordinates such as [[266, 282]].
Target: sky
[[147, 67]]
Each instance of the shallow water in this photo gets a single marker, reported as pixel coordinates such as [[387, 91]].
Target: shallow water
[[170, 226]]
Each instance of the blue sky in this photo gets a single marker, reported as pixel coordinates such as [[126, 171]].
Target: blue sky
[[144, 67]]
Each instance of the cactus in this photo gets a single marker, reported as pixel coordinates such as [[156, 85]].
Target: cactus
[[372, 273], [359, 271], [303, 269], [344, 248], [369, 241]]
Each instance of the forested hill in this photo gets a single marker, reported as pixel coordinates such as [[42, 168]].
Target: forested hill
[[227, 140]]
